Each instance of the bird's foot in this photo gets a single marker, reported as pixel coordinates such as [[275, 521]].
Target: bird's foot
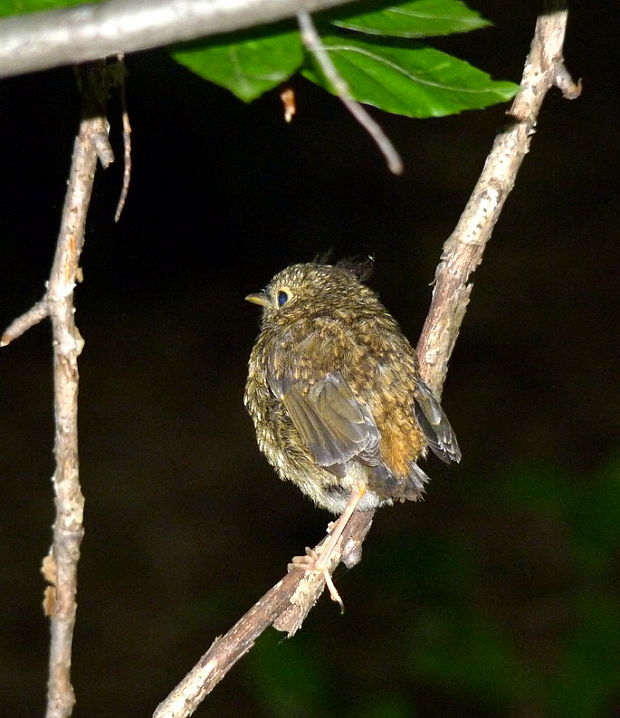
[[315, 561], [320, 560], [308, 561]]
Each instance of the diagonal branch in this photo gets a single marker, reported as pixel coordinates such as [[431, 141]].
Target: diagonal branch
[[463, 250], [72, 35], [284, 607], [288, 602]]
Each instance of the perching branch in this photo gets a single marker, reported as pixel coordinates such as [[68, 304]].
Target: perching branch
[[288, 602], [284, 606], [60, 566], [60, 37]]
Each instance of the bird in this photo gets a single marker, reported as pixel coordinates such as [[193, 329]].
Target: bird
[[335, 394]]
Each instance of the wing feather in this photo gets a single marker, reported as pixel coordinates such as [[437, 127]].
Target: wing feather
[[332, 424], [435, 424]]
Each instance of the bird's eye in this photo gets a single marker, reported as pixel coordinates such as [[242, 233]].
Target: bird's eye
[[282, 297]]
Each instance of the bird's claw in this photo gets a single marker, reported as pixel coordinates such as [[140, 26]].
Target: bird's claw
[[310, 563]]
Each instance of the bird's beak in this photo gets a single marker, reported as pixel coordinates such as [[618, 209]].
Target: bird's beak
[[259, 298]]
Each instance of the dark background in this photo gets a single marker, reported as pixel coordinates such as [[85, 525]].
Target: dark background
[[498, 595]]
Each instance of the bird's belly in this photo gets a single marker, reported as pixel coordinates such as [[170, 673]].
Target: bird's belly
[[332, 492]]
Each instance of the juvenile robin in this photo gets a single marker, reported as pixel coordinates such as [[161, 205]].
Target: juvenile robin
[[335, 395]]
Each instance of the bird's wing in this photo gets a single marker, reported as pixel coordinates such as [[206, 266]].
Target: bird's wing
[[435, 424], [332, 424]]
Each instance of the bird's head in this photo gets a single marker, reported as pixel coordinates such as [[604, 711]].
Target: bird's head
[[305, 290]]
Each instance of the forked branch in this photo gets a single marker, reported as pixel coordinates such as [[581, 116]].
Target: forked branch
[[60, 566]]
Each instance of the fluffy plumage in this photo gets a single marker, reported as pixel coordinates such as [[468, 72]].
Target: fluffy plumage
[[335, 394]]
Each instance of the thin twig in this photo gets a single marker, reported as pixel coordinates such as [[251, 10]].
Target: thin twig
[[570, 89], [461, 255], [22, 324], [312, 41], [122, 72]]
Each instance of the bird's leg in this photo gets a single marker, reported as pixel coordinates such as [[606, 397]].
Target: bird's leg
[[336, 529], [320, 560]]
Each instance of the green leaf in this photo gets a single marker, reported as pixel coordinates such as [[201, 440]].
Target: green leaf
[[20, 7], [248, 64], [409, 78], [420, 18]]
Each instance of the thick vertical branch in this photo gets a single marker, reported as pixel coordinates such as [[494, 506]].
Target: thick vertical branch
[[60, 566], [68, 526], [67, 343]]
